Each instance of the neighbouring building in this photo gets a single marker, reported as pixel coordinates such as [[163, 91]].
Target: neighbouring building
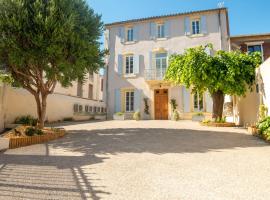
[[246, 109], [138, 58], [81, 101]]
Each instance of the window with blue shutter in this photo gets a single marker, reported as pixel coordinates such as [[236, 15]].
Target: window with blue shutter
[[153, 30], [136, 64], [186, 99], [167, 27], [204, 24], [121, 34], [187, 26], [208, 102], [137, 101], [120, 64], [117, 100], [136, 33]]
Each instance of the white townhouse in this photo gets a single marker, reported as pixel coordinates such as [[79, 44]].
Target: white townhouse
[[138, 58]]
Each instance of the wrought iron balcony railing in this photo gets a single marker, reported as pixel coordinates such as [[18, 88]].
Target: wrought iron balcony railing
[[154, 74]]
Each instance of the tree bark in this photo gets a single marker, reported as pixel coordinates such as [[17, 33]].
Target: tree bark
[[41, 100], [218, 101]]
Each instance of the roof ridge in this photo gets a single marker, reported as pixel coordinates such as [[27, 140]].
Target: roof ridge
[[162, 16]]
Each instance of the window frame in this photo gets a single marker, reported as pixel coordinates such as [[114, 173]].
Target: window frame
[[129, 101], [160, 30], [199, 100], [129, 61], [130, 34], [256, 44], [197, 26]]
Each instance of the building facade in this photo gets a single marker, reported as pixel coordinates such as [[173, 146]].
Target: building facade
[[81, 101], [246, 109], [138, 58]]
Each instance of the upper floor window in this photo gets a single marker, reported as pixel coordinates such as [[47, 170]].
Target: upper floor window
[[129, 97], [129, 64], [130, 34], [161, 61], [198, 102], [196, 29], [160, 31], [254, 48]]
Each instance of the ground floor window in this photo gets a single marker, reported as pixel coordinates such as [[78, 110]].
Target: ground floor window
[[129, 97], [198, 102]]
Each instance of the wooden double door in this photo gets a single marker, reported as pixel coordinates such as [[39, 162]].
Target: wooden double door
[[161, 104]]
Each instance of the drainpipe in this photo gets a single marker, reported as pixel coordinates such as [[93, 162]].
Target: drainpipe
[[219, 26]]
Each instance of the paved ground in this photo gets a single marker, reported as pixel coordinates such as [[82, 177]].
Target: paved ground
[[147, 160]]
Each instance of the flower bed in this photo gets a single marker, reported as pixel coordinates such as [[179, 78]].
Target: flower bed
[[218, 124], [18, 138], [263, 129]]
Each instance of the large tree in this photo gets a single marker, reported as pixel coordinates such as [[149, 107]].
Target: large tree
[[43, 42], [231, 73]]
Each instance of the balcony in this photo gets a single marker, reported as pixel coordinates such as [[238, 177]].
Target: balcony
[[154, 76]]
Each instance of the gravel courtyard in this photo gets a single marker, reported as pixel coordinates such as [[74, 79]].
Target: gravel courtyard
[[144, 160]]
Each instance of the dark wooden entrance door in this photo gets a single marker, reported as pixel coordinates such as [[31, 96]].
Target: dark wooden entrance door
[[161, 104]]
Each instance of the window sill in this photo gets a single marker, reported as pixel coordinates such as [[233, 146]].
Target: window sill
[[129, 76], [130, 42], [161, 39], [197, 35]]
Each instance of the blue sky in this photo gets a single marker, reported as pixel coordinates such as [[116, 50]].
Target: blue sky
[[246, 16]]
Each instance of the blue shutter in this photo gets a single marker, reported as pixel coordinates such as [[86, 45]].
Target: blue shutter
[[186, 98], [208, 102], [120, 64], [136, 64], [122, 34], [153, 30], [117, 100], [137, 100], [187, 25], [167, 27], [204, 24], [136, 33]]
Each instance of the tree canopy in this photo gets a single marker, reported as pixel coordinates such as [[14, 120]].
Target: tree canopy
[[225, 72], [48, 41]]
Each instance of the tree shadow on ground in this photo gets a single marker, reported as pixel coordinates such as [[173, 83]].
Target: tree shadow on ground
[[65, 176], [156, 141]]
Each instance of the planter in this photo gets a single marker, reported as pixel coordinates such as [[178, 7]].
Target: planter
[[119, 117], [253, 130], [4, 143], [100, 117], [198, 118], [215, 124], [146, 117], [16, 142]]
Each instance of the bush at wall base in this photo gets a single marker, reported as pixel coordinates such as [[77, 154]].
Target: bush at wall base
[[137, 116]]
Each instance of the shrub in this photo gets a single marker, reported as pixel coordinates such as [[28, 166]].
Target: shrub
[[68, 119], [173, 104], [263, 111], [146, 106], [137, 116], [264, 124], [206, 121], [176, 115], [31, 131], [119, 114], [26, 120], [199, 114], [221, 120]]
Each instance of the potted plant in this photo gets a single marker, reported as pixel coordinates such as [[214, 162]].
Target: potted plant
[[146, 109], [119, 116], [175, 114], [137, 116], [198, 117]]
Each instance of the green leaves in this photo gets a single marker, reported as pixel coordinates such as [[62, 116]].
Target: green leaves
[[62, 33], [230, 72]]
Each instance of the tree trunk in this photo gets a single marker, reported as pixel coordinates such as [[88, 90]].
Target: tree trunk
[[41, 100], [218, 101]]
